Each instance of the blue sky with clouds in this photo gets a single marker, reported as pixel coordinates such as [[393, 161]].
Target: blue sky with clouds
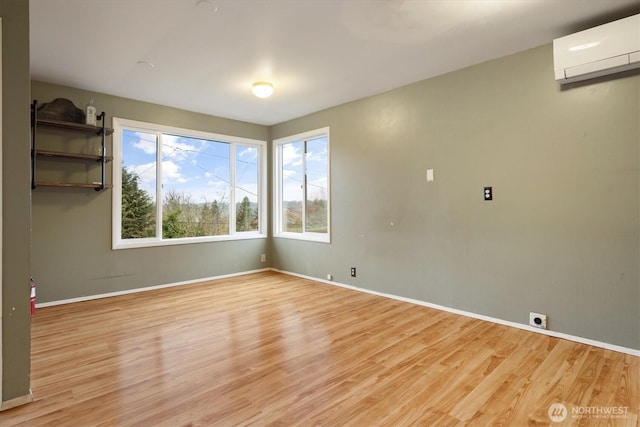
[[192, 166], [293, 172]]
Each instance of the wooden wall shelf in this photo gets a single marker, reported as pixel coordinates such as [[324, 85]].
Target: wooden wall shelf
[[79, 127], [36, 153], [96, 186], [76, 156]]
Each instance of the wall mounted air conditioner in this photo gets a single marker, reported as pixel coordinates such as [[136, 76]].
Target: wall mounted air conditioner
[[598, 51]]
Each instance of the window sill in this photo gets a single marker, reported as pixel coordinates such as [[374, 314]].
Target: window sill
[[309, 237], [146, 243]]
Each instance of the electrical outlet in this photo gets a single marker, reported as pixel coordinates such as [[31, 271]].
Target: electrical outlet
[[263, 258], [353, 272], [329, 276], [488, 193], [538, 320]]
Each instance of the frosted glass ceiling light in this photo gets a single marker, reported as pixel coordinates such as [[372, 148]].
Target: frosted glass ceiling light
[[203, 4], [262, 89], [145, 64]]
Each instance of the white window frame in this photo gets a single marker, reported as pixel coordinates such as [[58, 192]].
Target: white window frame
[[277, 187], [120, 124]]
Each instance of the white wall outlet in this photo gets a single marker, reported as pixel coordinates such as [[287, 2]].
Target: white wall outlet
[[263, 258], [538, 320], [329, 277]]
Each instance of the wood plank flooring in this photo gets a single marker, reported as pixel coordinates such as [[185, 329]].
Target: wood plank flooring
[[272, 349]]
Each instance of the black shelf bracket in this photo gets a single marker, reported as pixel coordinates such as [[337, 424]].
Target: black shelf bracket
[[103, 150]]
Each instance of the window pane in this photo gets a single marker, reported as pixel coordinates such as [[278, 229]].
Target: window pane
[[178, 186], [316, 209], [195, 184], [247, 188], [138, 185], [292, 186]]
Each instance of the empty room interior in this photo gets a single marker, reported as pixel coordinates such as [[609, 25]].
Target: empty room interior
[[344, 212]]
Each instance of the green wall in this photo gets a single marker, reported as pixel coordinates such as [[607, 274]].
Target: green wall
[[561, 236], [15, 199], [71, 235]]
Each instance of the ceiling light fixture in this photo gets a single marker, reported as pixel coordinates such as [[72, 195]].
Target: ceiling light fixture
[[262, 89], [207, 3], [145, 64]]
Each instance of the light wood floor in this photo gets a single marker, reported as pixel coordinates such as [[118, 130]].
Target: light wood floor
[[271, 349]]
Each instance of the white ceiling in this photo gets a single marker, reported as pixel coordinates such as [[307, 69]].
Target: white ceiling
[[318, 53]]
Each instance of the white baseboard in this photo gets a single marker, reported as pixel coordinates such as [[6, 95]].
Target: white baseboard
[[18, 401], [574, 338], [588, 341], [148, 288]]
